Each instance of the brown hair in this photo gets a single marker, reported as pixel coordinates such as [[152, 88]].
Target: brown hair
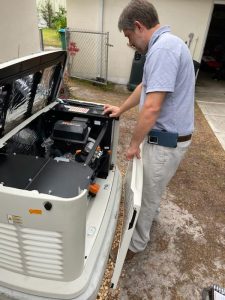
[[138, 10]]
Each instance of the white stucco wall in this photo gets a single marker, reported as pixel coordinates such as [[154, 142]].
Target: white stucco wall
[[18, 29], [83, 14], [120, 55], [184, 17]]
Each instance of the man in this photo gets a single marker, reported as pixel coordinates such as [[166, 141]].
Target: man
[[166, 101]]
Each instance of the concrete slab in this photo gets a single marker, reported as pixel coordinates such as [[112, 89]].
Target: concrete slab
[[217, 123], [215, 115], [213, 88], [213, 109], [221, 138], [210, 96]]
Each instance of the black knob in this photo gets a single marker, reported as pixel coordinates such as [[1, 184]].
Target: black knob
[[48, 205]]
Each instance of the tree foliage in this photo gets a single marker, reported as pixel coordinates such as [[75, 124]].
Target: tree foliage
[[53, 19], [47, 13]]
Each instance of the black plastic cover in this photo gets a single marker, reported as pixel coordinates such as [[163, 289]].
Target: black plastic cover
[[71, 131], [36, 173]]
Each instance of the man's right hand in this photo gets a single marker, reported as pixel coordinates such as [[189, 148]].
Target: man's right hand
[[112, 111]]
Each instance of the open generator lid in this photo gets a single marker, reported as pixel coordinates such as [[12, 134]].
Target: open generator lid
[[27, 85]]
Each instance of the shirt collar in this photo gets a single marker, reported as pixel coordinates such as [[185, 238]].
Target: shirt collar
[[157, 34]]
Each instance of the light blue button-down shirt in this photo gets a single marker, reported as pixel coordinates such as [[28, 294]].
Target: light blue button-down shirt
[[169, 68]]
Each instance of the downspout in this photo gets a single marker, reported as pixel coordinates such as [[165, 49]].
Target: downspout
[[102, 7], [101, 28]]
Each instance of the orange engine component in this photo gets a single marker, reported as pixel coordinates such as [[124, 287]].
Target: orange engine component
[[94, 188]]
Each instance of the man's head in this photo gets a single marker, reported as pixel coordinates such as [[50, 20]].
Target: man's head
[[137, 20]]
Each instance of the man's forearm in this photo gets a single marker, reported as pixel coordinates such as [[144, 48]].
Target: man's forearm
[[145, 122], [147, 117], [132, 100]]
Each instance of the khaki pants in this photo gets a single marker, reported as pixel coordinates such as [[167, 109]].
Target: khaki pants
[[159, 166]]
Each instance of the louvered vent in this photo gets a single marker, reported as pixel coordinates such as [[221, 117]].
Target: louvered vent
[[10, 255], [43, 253], [31, 252]]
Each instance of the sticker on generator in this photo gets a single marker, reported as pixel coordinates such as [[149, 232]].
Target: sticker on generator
[[12, 219], [132, 205], [35, 211], [97, 122], [77, 109]]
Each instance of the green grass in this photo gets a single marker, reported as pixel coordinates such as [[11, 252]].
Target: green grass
[[51, 37]]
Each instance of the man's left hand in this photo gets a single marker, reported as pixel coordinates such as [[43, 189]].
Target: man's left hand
[[133, 151]]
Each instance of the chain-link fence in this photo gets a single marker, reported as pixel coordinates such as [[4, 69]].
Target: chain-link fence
[[88, 55]]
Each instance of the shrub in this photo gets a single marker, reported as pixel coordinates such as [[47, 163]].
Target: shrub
[[59, 19]]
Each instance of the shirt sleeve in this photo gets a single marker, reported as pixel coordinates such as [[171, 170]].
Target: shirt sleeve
[[161, 69]]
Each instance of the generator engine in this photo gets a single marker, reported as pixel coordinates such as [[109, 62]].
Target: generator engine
[[75, 131]]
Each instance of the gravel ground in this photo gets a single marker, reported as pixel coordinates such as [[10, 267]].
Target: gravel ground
[[186, 252]]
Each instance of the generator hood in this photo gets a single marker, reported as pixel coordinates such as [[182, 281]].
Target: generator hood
[[27, 85]]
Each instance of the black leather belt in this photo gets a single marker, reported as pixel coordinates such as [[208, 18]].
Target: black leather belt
[[184, 138]]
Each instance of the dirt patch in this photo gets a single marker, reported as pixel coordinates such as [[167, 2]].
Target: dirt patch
[[186, 252]]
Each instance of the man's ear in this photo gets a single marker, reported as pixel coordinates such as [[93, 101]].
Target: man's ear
[[139, 25]]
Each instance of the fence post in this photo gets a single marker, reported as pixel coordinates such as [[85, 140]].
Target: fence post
[[41, 39], [107, 57]]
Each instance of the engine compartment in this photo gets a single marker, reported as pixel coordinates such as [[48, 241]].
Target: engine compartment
[[68, 146]]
